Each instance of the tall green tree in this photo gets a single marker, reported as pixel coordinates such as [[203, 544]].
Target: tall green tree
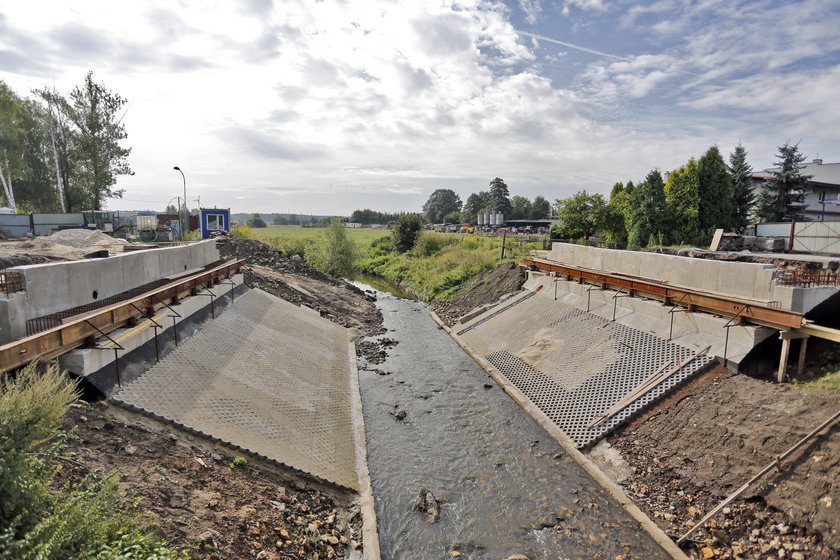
[[615, 230], [743, 198], [476, 203], [36, 191], [406, 231], [682, 194], [646, 212], [441, 203], [782, 198], [12, 142], [63, 153], [499, 197], [581, 215], [715, 204], [97, 114], [520, 208], [540, 208]]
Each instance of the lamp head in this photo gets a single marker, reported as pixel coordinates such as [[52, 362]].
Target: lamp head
[[177, 168]]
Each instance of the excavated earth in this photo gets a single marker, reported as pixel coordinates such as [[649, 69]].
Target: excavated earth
[[705, 441], [201, 497]]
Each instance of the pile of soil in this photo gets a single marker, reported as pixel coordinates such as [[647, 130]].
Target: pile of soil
[[10, 260], [202, 500], [68, 244], [483, 289], [706, 440]]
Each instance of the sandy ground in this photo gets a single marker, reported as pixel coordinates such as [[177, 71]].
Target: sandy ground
[[69, 244]]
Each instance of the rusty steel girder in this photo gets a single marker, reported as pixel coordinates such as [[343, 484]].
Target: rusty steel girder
[[21, 352], [691, 299]]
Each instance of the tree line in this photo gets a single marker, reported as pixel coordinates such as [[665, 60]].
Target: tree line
[[445, 206], [696, 198], [62, 152]]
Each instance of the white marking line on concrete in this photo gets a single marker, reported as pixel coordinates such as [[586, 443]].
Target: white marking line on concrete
[[657, 534], [370, 533]]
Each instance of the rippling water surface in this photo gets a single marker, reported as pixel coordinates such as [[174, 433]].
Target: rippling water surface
[[507, 487]]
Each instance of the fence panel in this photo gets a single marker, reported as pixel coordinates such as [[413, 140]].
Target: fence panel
[[46, 224], [15, 225]]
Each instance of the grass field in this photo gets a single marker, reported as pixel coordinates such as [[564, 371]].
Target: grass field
[[438, 264], [284, 235]]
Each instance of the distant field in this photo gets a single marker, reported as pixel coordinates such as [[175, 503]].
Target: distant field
[[283, 235]]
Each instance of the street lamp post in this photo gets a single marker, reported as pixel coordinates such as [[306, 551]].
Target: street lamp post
[[186, 223]]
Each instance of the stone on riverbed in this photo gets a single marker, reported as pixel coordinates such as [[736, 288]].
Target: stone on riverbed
[[427, 505]]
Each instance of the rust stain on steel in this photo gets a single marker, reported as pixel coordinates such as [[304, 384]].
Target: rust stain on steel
[[20, 352], [690, 298]]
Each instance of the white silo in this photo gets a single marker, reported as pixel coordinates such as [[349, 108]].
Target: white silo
[[480, 219]]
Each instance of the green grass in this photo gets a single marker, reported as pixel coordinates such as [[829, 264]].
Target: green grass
[[829, 382], [280, 235], [441, 262], [434, 269]]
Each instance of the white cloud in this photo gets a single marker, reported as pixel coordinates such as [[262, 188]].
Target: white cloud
[[333, 105], [532, 9]]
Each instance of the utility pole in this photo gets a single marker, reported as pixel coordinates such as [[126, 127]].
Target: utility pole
[[186, 225]]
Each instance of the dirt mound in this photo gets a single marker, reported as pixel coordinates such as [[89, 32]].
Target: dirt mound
[[8, 260], [712, 436], [203, 500], [485, 288], [257, 252], [81, 238], [69, 244], [297, 282]]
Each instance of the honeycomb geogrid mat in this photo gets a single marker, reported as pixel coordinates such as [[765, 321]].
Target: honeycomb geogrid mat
[[266, 376], [574, 366]]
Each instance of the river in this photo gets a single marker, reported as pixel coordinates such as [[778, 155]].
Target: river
[[507, 487]]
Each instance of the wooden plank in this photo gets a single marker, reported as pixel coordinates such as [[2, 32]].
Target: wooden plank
[[716, 240], [783, 360], [646, 385]]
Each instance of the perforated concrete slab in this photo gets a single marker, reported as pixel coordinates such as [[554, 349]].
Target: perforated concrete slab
[[266, 376], [574, 365]]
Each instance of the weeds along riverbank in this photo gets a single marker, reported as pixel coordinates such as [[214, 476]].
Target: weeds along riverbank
[[433, 269]]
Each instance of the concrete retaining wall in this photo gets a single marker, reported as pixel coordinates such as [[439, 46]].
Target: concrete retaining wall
[[53, 287], [749, 280], [696, 330]]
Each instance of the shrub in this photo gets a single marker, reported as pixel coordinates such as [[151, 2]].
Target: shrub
[[406, 230], [76, 521], [334, 253]]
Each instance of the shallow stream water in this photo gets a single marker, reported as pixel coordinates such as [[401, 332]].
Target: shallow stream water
[[507, 487]]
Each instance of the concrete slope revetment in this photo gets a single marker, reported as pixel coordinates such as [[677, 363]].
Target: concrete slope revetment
[[266, 376], [576, 366]]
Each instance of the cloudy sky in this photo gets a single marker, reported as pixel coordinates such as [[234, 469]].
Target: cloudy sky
[[325, 107]]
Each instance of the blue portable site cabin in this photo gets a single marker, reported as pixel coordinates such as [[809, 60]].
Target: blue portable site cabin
[[214, 219]]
